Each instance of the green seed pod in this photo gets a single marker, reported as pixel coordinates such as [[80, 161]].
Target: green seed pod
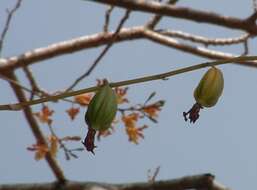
[[209, 88], [102, 108]]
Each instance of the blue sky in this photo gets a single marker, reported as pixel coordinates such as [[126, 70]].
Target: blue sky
[[222, 142]]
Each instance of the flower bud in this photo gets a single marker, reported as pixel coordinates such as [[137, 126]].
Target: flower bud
[[209, 88], [102, 108], [207, 93], [100, 113]]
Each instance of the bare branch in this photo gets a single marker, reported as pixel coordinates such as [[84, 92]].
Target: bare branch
[[34, 86], [200, 51], [8, 21], [152, 178], [156, 18], [107, 18], [35, 129], [204, 40], [195, 182], [24, 104], [246, 48], [184, 13], [69, 46], [98, 59], [92, 41]]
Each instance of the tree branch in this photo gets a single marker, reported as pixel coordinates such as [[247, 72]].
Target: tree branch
[[24, 104], [203, 181], [69, 46], [96, 40], [204, 40], [35, 128], [200, 51], [184, 13]]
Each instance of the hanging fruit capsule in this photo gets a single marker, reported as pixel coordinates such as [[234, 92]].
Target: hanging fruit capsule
[[206, 93], [210, 88], [100, 113]]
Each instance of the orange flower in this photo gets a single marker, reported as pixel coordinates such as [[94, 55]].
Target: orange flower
[[83, 99], [152, 110], [133, 132], [44, 115], [72, 112], [121, 93], [40, 150], [130, 120]]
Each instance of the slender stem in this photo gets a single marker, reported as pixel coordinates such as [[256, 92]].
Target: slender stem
[[10, 15], [101, 55], [157, 18], [19, 106]]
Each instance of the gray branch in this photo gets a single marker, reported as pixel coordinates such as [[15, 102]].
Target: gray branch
[[103, 38], [187, 13]]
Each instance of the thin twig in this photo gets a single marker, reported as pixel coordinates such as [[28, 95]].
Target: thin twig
[[246, 48], [34, 86], [68, 152], [156, 18], [19, 106], [204, 40], [107, 18], [98, 59], [40, 94], [15, 82], [152, 178], [8, 21]]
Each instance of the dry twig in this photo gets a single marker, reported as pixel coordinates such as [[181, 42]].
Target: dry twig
[[98, 59], [107, 18], [10, 14]]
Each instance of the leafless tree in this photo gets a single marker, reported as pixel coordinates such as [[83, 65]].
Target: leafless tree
[[179, 40]]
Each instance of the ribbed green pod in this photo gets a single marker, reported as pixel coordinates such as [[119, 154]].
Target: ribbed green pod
[[209, 88], [102, 108]]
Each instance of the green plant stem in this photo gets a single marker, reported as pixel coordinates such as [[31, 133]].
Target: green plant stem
[[19, 106]]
